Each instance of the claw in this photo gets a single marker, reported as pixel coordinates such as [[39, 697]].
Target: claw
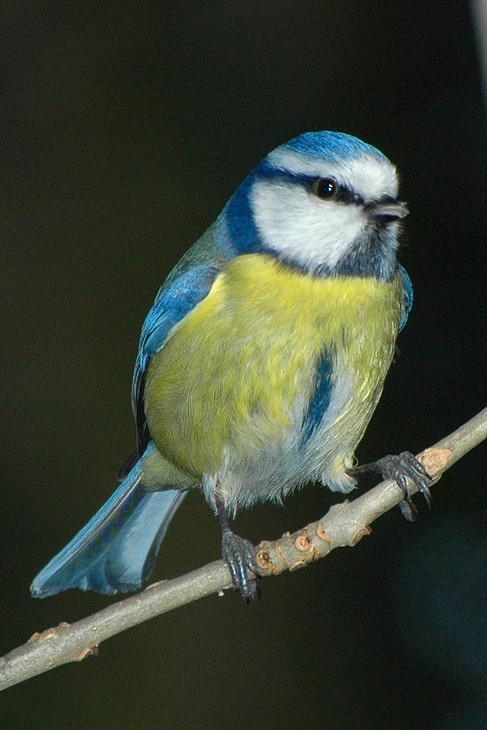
[[239, 555], [401, 468], [409, 511]]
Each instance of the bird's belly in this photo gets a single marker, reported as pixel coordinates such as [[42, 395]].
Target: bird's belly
[[226, 396]]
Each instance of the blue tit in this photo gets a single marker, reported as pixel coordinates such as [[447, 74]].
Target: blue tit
[[261, 361]]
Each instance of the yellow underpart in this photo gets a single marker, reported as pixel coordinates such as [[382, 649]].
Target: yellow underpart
[[229, 376]]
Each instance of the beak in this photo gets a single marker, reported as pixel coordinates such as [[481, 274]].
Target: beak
[[388, 209]]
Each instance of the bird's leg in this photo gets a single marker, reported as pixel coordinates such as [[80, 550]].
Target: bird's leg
[[400, 467], [239, 555]]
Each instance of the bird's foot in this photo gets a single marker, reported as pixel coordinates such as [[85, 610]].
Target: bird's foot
[[402, 468], [239, 555]]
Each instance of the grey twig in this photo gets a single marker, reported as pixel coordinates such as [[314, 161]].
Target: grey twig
[[344, 524]]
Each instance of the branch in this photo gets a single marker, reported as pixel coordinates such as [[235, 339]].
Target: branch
[[344, 524]]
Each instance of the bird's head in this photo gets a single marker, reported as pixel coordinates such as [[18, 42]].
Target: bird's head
[[325, 202]]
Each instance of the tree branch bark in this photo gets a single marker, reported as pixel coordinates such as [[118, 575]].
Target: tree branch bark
[[344, 525]]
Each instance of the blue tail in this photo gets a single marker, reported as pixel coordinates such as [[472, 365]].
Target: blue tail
[[117, 549]]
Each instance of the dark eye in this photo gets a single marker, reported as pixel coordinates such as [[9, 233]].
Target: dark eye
[[325, 188]]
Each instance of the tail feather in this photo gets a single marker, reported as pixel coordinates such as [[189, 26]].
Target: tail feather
[[117, 549]]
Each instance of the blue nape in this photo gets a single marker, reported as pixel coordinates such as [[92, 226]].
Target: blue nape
[[117, 549]]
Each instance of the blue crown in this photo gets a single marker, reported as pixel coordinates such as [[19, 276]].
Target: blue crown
[[332, 146]]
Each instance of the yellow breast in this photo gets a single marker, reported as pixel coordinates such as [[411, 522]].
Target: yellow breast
[[230, 375]]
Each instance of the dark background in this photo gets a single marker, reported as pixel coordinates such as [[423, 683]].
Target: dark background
[[124, 128]]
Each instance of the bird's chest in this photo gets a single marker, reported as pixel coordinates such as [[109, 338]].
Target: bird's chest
[[239, 371]]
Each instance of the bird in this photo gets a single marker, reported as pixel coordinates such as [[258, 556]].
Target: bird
[[260, 362]]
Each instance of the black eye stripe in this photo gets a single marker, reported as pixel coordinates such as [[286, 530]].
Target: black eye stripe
[[343, 194]]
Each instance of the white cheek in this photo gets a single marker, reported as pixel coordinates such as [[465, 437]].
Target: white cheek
[[303, 228]]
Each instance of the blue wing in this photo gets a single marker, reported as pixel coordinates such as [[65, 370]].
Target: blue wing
[[407, 296], [174, 301], [187, 285]]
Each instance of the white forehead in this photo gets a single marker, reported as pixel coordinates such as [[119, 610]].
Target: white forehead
[[369, 175]]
